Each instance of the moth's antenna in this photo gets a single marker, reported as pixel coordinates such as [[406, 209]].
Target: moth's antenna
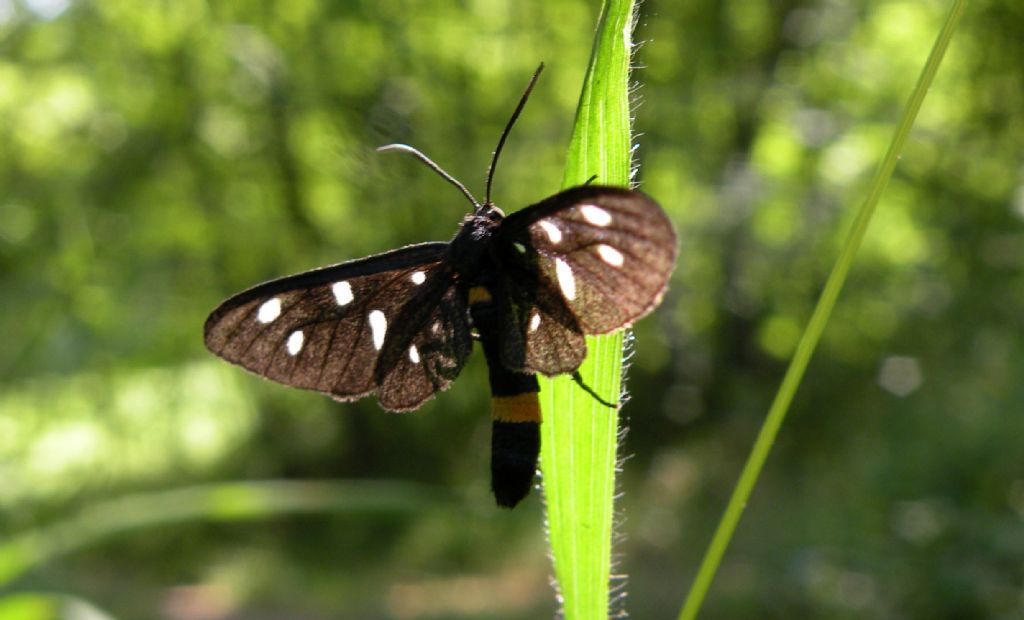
[[508, 128], [405, 148]]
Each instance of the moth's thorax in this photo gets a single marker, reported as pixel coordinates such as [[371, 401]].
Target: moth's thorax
[[470, 250]]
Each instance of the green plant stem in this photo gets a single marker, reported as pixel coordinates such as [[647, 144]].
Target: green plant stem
[[811, 336]]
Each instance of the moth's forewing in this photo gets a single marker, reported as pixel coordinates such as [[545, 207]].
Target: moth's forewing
[[323, 330], [604, 253]]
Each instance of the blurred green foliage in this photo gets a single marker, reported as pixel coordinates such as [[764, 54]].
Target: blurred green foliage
[[156, 157]]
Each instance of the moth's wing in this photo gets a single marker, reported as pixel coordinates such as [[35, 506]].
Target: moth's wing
[[324, 330], [427, 348], [539, 332], [590, 259], [609, 251]]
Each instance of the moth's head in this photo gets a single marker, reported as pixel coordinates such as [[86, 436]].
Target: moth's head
[[490, 212]]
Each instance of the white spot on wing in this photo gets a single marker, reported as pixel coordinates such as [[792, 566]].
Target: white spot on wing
[[552, 231], [565, 280], [270, 310], [295, 342], [520, 247], [596, 215], [378, 327], [342, 292], [414, 354], [534, 322], [610, 255], [418, 277]]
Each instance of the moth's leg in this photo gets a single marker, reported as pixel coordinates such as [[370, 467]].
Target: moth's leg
[[592, 178], [589, 390]]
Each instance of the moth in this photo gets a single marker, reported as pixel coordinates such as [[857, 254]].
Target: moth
[[589, 260]]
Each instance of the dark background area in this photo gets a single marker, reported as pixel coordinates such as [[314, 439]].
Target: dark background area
[[156, 157]]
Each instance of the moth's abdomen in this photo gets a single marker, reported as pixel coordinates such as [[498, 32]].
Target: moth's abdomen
[[515, 431], [515, 447], [515, 410]]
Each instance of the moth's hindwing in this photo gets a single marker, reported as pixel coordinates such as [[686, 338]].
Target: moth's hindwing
[[347, 330], [428, 348], [589, 260], [539, 332]]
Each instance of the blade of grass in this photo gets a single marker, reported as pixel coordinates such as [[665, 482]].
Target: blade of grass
[[230, 501], [822, 311], [580, 435]]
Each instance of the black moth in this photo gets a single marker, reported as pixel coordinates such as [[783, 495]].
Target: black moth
[[588, 260]]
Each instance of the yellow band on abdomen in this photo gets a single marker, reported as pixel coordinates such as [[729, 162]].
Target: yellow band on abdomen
[[519, 408], [479, 294]]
